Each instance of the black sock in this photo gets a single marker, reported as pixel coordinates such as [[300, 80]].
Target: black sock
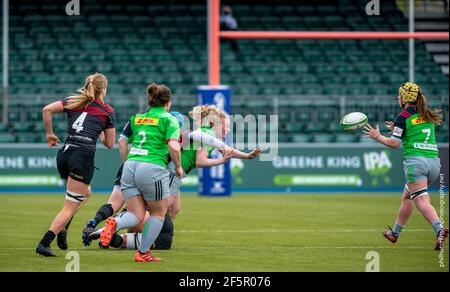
[[68, 224], [48, 238], [104, 213]]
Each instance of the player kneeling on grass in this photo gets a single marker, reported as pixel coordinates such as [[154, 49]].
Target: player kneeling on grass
[[132, 239], [414, 127], [144, 182], [88, 117]]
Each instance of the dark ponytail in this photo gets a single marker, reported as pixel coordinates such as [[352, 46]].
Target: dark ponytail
[[158, 95]]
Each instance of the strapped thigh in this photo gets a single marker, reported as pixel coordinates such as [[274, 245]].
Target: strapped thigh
[[419, 193]]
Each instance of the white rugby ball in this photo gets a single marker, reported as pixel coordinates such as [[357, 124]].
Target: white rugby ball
[[353, 121]]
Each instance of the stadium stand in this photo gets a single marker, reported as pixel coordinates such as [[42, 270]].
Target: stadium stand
[[313, 82]]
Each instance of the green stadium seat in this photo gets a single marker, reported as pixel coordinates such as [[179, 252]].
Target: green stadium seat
[[324, 138], [7, 138], [302, 138], [347, 138]]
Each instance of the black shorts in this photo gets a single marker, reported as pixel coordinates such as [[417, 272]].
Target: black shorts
[[76, 163], [118, 176]]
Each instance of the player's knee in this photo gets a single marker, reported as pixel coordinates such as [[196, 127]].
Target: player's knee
[[88, 193]]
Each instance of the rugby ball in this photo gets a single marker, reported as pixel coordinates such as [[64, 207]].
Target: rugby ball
[[353, 121]]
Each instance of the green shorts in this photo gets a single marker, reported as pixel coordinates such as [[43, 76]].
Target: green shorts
[[417, 168]]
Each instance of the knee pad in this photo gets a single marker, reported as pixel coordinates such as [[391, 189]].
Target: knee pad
[[419, 193], [75, 197]]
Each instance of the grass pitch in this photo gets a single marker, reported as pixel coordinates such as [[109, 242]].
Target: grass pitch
[[251, 232]]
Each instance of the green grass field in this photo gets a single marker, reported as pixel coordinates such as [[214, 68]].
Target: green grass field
[[267, 232]]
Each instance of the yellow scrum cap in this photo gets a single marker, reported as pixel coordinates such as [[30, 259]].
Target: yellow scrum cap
[[409, 92]]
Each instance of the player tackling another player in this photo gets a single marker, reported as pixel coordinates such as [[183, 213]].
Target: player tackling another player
[[414, 128], [196, 146], [88, 116]]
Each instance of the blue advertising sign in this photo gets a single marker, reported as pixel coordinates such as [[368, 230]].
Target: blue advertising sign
[[215, 181]]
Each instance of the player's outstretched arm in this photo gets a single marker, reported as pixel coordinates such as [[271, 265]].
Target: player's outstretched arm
[[242, 155], [375, 134], [205, 139], [202, 159]]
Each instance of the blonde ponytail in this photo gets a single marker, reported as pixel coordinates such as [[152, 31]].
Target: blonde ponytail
[[92, 90]]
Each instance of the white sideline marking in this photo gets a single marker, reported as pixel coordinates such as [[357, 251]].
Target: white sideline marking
[[251, 247], [296, 230]]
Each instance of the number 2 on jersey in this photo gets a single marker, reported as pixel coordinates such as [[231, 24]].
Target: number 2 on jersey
[[78, 124], [144, 137]]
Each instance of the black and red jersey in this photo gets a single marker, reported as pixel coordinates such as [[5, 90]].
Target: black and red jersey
[[85, 125]]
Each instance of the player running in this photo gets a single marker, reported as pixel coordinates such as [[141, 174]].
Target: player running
[[145, 180], [414, 127], [88, 116]]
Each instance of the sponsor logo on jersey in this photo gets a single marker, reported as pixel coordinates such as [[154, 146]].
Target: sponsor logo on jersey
[[139, 151], [424, 146], [146, 121], [417, 121]]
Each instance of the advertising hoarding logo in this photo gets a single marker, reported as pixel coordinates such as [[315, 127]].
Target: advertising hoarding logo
[[378, 165]]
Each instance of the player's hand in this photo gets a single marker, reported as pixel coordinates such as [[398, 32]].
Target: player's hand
[[371, 132], [179, 172], [255, 153], [390, 126], [52, 140], [172, 212]]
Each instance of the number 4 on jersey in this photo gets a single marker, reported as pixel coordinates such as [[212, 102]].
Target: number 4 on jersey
[[78, 124]]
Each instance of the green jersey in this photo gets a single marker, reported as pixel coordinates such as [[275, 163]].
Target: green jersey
[[417, 135], [150, 133], [189, 156]]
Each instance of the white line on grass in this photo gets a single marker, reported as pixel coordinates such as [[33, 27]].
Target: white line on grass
[[251, 247], [296, 231]]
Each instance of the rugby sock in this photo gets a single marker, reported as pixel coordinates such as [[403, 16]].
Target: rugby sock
[[133, 240], [126, 220], [437, 226], [103, 213], [397, 229], [152, 228], [68, 224], [49, 236]]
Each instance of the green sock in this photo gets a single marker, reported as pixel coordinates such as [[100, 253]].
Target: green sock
[[437, 226], [397, 229]]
